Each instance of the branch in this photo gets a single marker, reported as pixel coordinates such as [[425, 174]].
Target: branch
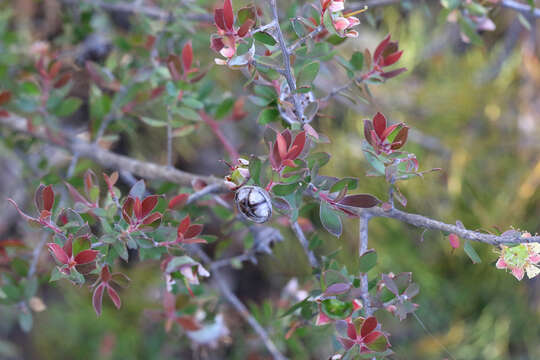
[[107, 158], [239, 306], [133, 8], [286, 62], [152, 171], [362, 248], [519, 7], [305, 244]]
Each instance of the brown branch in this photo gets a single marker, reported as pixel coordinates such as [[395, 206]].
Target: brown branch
[[107, 158], [305, 244], [152, 171], [150, 11], [362, 248]]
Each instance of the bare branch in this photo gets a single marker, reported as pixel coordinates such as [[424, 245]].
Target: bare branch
[[305, 244], [239, 306], [362, 248], [286, 62], [522, 8]]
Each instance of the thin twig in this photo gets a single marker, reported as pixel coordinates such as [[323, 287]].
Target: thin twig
[[362, 248], [169, 138], [286, 62], [214, 126], [305, 244], [303, 39], [239, 306], [36, 253]]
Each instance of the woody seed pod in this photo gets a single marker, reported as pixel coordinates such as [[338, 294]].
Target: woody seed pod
[[254, 203]]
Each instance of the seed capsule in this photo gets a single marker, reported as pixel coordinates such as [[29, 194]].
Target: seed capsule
[[254, 203]]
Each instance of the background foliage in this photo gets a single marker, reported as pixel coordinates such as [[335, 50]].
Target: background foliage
[[474, 110]]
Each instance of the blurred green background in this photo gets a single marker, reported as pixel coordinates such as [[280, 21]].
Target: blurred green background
[[475, 111]]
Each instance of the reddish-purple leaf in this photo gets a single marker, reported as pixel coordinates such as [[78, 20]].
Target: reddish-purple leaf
[[86, 256], [114, 296], [393, 73], [187, 56], [389, 130], [360, 201], [219, 19], [68, 247], [392, 58], [246, 26], [148, 204], [228, 14], [64, 79], [152, 218], [347, 343], [137, 208], [371, 337], [188, 323], [454, 240], [97, 298], [281, 145], [368, 326], [5, 96], [127, 209], [193, 230], [297, 146], [76, 195], [379, 124], [54, 69], [351, 331], [58, 253], [401, 138], [380, 48], [368, 130], [184, 225], [337, 289], [105, 274], [178, 201], [48, 198]]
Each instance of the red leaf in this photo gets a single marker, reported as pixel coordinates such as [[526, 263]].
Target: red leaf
[[64, 79], [188, 323], [187, 56], [76, 195], [54, 69], [299, 142], [389, 130], [380, 48], [228, 14], [193, 230], [454, 240], [86, 256], [68, 247], [246, 26], [127, 209], [368, 128], [26, 217], [368, 326], [351, 331], [97, 298], [392, 58], [219, 19], [38, 197], [281, 145], [178, 201], [184, 225], [289, 163], [347, 343], [275, 159], [393, 73], [137, 208], [5, 96], [58, 253], [152, 218], [379, 124], [105, 274], [360, 201], [111, 180], [401, 138], [114, 296], [194, 241], [148, 204], [372, 337]]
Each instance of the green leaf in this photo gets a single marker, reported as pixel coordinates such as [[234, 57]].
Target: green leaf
[[264, 38], [29, 88], [336, 309], [67, 107], [357, 60], [295, 306], [26, 320], [153, 122], [268, 115], [469, 250], [255, 165], [470, 31], [178, 261], [283, 190], [224, 108], [367, 261], [307, 75], [330, 219], [328, 23], [351, 184]]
